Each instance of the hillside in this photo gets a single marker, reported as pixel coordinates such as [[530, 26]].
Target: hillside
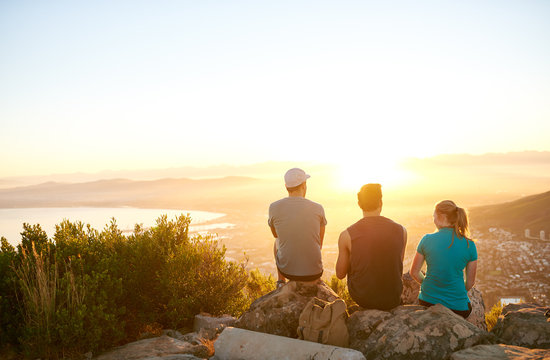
[[531, 212]]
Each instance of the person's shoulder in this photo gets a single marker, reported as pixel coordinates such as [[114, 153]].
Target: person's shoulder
[[431, 236], [391, 222], [277, 203], [313, 204]]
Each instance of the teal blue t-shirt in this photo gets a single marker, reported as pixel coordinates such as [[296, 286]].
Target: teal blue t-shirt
[[444, 281]]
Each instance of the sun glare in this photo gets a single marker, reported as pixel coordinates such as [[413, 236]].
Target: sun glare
[[384, 171]]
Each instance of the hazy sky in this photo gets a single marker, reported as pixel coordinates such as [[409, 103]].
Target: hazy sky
[[94, 85]]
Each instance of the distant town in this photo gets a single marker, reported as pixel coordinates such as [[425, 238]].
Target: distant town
[[513, 267]]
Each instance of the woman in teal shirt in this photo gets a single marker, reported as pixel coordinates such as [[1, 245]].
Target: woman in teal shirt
[[447, 253]]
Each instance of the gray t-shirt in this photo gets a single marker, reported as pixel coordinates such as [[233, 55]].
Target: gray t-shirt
[[298, 221]]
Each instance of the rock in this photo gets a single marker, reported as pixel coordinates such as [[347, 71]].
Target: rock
[[413, 332], [411, 289], [173, 334], [524, 325], [500, 352], [362, 323], [234, 343], [277, 313], [209, 326], [515, 307], [203, 344], [173, 357], [164, 347], [477, 317]]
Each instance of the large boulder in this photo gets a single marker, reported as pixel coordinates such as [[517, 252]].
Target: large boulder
[[361, 324], [163, 347], [411, 289], [278, 312], [524, 325], [500, 352], [413, 332]]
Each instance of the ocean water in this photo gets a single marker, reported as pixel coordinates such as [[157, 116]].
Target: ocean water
[[11, 220]]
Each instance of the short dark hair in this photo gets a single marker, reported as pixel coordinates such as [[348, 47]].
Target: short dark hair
[[370, 196], [294, 188]]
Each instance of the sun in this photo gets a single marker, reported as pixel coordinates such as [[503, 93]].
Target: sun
[[353, 175]]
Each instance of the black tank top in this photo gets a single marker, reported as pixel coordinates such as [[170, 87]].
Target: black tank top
[[376, 268]]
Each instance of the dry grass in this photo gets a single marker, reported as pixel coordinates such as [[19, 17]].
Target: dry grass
[[41, 299]]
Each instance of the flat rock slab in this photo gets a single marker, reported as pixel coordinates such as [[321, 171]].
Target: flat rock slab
[[234, 343], [501, 352]]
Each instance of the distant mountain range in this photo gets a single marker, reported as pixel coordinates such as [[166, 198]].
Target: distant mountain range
[[531, 212], [471, 180], [272, 169], [204, 194]]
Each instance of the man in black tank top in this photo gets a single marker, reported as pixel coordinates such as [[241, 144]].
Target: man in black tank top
[[371, 252]]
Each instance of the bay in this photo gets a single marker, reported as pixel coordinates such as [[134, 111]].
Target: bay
[[11, 220]]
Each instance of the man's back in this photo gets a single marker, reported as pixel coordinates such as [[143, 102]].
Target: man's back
[[376, 263], [297, 222]]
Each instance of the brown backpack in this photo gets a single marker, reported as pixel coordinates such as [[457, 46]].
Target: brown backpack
[[324, 322]]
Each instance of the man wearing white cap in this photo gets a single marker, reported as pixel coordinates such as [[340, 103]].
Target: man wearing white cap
[[298, 225]]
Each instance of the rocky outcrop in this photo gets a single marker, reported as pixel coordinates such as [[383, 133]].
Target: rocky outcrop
[[411, 289], [413, 332], [278, 312], [524, 325], [500, 352], [163, 347]]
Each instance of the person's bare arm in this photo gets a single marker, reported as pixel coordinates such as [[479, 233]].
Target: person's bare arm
[[344, 247], [404, 243], [416, 267], [321, 235], [471, 269]]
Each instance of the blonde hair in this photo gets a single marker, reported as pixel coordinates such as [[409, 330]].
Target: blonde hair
[[457, 217]]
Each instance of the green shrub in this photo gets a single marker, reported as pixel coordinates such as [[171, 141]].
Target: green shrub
[[492, 316], [341, 289], [259, 284], [197, 279], [10, 316], [89, 290]]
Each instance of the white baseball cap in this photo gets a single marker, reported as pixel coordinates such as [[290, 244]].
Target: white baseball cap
[[295, 177]]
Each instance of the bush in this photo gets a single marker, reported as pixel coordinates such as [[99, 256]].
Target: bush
[[9, 310], [492, 316], [259, 284], [198, 279], [88, 290], [341, 289]]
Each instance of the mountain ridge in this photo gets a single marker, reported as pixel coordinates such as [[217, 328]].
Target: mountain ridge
[[530, 212]]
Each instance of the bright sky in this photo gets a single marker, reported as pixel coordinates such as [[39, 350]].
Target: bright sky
[[94, 85]]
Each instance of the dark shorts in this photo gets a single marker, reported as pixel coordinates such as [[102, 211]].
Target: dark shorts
[[301, 278], [463, 313]]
